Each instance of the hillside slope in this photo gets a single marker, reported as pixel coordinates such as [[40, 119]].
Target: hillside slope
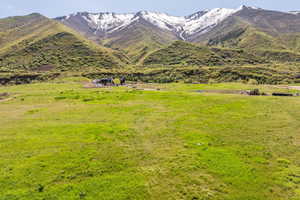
[[254, 29], [139, 39], [32, 41]]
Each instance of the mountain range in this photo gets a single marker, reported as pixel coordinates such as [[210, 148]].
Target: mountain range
[[84, 40], [216, 26]]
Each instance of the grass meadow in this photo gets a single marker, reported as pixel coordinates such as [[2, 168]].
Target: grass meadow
[[59, 140]]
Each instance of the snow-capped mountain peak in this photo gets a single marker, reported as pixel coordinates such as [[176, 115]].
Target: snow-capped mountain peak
[[199, 22]]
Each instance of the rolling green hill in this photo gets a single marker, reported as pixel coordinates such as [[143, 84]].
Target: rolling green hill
[[187, 54], [32, 41]]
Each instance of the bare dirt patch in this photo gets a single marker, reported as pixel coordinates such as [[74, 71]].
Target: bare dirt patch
[[89, 85], [45, 68], [4, 96]]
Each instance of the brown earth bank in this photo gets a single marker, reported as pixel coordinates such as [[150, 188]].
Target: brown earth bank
[[4, 95], [288, 87], [25, 78]]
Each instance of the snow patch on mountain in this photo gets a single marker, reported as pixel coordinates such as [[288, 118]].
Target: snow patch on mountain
[[108, 21], [164, 21], [197, 15], [294, 12], [208, 20], [67, 17]]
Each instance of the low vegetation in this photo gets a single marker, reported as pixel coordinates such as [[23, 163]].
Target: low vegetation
[[259, 74], [262, 74]]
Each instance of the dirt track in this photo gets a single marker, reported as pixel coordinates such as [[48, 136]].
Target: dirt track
[[288, 87]]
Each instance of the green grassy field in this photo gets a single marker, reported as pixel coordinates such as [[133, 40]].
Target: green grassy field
[[61, 141]]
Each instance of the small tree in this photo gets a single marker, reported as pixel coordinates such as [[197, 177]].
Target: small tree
[[252, 82], [117, 81], [212, 81]]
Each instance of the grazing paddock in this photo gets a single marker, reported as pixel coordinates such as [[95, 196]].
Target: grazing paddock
[[59, 140]]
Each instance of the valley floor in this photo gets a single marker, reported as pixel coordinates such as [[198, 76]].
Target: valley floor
[[59, 140]]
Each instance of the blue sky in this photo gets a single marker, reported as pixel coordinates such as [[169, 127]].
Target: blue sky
[[54, 8]]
